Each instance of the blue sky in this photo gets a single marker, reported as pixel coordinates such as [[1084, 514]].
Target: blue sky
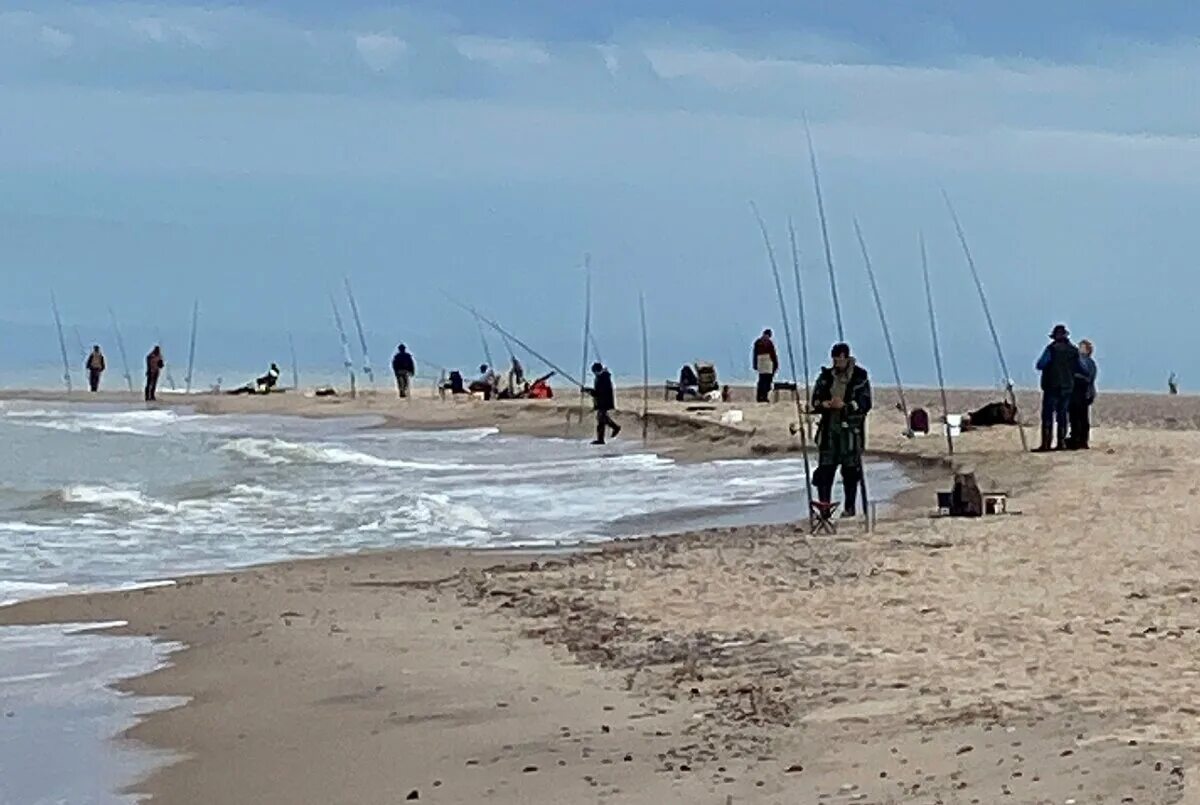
[[249, 155]]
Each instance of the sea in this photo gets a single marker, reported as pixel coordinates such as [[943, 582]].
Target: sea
[[96, 497]]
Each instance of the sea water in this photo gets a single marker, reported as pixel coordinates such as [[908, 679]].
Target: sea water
[[104, 496]]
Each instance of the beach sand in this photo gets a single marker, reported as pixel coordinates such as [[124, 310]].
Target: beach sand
[[1043, 657]]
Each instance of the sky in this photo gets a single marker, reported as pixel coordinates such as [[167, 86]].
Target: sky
[[251, 155]]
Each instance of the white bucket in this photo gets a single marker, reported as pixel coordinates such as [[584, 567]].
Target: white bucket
[[733, 417], [954, 424]]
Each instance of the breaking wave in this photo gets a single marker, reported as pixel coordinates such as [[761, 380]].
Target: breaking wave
[[281, 451]]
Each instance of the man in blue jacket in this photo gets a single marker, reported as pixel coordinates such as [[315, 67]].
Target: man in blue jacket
[[1058, 364]]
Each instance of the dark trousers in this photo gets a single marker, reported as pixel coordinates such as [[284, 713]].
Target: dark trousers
[[94, 380], [851, 478], [151, 386], [765, 383], [1081, 425], [1055, 405], [604, 420]]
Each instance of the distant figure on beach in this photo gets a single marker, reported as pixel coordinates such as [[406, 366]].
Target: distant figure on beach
[[486, 384], [154, 366], [604, 400], [516, 377], [842, 396], [1083, 394], [95, 367], [403, 367], [766, 364], [1172, 384], [689, 384], [1058, 364], [267, 382]]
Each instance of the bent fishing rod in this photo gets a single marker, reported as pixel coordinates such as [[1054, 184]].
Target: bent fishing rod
[[62, 343], [812, 161], [121, 347], [887, 333], [512, 337], [987, 312], [787, 333]]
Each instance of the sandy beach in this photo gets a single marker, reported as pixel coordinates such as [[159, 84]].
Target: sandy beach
[[1043, 657]]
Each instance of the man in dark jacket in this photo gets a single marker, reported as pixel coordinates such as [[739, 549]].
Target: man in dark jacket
[[154, 366], [604, 399], [1082, 396], [95, 367], [766, 364], [842, 396], [1058, 364], [403, 367]]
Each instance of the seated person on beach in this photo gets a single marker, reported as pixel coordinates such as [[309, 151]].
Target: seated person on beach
[[486, 384], [540, 388], [997, 413], [260, 385], [689, 384]]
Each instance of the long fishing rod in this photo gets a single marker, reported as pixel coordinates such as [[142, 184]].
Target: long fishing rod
[[812, 161], [787, 333], [362, 338], [645, 369], [487, 351], [512, 337], [987, 312], [347, 361], [937, 348], [121, 347], [167, 369], [800, 311], [187, 379], [587, 330], [805, 423], [595, 346], [887, 333], [295, 366], [62, 343]]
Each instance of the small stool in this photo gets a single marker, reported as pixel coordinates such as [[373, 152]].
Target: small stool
[[821, 517]]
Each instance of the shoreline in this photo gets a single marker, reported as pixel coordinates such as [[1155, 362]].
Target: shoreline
[[718, 661]]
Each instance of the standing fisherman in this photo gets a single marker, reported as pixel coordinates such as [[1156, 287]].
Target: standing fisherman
[[154, 366], [95, 367], [1058, 364], [766, 364], [403, 367], [842, 396], [604, 399]]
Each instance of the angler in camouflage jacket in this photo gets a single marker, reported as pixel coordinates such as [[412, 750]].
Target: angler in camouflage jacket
[[842, 397]]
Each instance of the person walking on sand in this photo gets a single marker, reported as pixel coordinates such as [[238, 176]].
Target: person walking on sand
[[154, 366], [403, 367], [95, 366], [766, 364], [1083, 394], [842, 397], [1058, 364], [604, 400]]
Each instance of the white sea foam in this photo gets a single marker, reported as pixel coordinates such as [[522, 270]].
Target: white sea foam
[[281, 451], [107, 497]]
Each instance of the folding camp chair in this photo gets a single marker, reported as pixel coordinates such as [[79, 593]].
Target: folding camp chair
[[821, 517]]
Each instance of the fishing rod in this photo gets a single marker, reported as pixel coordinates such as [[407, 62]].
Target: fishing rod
[[787, 333], [937, 349], [987, 312], [512, 337], [595, 346], [487, 351], [295, 366], [812, 161], [887, 333], [362, 338], [800, 310], [121, 347], [62, 343], [167, 369], [347, 361], [645, 369], [587, 330], [187, 379]]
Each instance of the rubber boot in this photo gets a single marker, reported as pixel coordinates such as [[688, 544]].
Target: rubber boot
[[1047, 434], [850, 490]]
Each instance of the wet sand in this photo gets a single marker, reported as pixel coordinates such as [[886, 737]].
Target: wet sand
[[1041, 657]]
